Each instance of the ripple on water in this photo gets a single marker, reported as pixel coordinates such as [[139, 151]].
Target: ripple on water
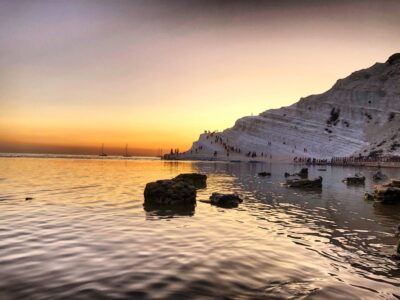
[[86, 234]]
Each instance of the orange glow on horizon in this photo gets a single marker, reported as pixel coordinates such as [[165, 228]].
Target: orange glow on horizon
[[160, 82]]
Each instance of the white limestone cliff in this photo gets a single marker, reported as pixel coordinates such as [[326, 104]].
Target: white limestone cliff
[[360, 114]]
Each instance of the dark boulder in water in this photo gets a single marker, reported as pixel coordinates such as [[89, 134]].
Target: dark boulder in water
[[354, 180], [197, 180], [264, 174], [225, 200], [169, 192], [387, 193], [298, 182], [286, 174]]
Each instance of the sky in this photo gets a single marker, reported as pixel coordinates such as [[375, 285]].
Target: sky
[[155, 74]]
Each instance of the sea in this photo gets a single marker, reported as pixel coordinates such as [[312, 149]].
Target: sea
[[74, 227]]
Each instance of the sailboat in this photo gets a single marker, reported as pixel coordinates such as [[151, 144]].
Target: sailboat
[[126, 151], [102, 153]]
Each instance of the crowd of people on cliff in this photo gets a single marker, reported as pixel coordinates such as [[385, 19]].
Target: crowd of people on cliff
[[215, 138], [363, 159], [345, 160], [311, 160]]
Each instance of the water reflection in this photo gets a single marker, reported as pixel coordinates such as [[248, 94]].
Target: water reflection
[[87, 234], [170, 211], [361, 232]]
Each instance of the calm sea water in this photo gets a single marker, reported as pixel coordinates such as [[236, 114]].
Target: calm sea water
[[86, 235]]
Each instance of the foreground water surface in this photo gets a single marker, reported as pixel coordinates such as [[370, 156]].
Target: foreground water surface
[[86, 235]]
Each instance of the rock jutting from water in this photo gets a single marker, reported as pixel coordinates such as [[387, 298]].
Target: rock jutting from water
[[199, 181], [264, 174], [388, 193], [225, 200], [169, 192], [297, 182], [356, 179], [179, 190]]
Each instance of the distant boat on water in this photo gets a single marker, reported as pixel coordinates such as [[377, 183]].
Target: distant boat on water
[[126, 154], [102, 153]]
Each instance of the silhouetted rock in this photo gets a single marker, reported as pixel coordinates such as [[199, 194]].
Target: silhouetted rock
[[225, 200], [354, 180], [298, 182], [263, 174], [169, 192], [197, 180], [286, 174]]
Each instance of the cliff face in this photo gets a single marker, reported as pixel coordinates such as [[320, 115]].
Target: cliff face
[[359, 114]]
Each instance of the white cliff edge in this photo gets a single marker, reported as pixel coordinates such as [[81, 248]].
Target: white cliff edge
[[359, 115]]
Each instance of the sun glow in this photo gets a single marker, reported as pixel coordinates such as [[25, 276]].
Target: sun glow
[[159, 82]]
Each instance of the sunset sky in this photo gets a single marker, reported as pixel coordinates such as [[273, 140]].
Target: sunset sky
[[156, 74]]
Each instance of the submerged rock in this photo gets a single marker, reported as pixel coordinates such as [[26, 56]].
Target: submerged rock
[[263, 174], [225, 200], [356, 179], [197, 180], [379, 176], [304, 183], [169, 192]]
